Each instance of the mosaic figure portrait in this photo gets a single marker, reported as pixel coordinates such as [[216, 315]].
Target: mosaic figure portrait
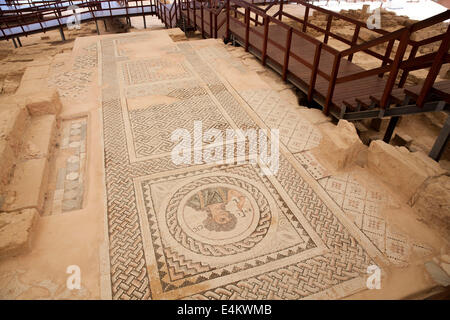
[[222, 207]]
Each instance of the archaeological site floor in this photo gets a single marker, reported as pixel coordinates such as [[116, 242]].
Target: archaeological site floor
[[118, 207]]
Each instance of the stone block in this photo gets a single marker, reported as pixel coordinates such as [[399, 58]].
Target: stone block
[[437, 274], [404, 171], [39, 137], [432, 203], [44, 102], [176, 34], [16, 231], [13, 121], [28, 186], [6, 165], [340, 145]]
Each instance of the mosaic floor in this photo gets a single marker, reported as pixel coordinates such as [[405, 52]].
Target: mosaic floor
[[71, 163], [213, 231]]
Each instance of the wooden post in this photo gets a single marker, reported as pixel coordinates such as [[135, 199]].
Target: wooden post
[[280, 14], [180, 6], [110, 10], [247, 27], [210, 23], [390, 129], [387, 55], [312, 82], [405, 73], [96, 26], [203, 24], [195, 15], [334, 73], [61, 31], [305, 19], [143, 13], [163, 13], [266, 35], [354, 40], [327, 30], [215, 25], [434, 70], [394, 69], [441, 141], [287, 52], [175, 12], [188, 4], [227, 35]]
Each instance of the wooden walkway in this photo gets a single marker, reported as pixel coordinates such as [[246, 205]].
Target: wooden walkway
[[301, 73], [20, 20], [297, 70], [310, 64], [326, 76]]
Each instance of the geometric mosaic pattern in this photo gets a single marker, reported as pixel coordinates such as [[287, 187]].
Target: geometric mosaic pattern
[[141, 71], [73, 83], [152, 126], [214, 232], [181, 258], [295, 132], [364, 206]]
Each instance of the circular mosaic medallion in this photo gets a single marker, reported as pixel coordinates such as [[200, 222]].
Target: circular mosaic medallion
[[218, 216]]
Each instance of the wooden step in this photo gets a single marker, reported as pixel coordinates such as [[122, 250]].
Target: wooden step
[[357, 104], [397, 96], [440, 90], [364, 102]]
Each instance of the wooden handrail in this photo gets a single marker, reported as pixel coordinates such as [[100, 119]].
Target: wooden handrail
[[434, 70], [430, 40], [341, 16], [363, 74], [417, 62], [270, 6], [366, 45], [430, 21]]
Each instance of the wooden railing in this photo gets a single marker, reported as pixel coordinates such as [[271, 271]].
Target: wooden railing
[[248, 15], [168, 13], [44, 13]]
